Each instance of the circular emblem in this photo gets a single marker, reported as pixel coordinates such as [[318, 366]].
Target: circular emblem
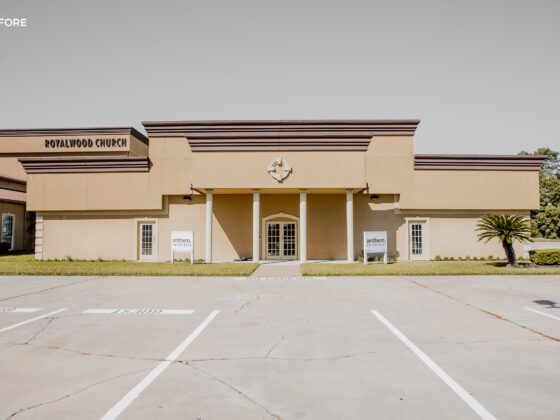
[[279, 169]]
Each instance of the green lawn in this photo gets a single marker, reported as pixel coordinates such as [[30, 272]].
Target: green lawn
[[25, 264], [421, 268]]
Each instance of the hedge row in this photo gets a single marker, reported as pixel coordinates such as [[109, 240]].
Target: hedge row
[[545, 256]]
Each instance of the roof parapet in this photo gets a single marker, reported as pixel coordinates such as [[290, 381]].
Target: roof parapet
[[250, 135], [479, 162], [84, 164]]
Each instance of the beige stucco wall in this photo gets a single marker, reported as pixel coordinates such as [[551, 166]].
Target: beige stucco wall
[[92, 236], [9, 166], [232, 227], [114, 237], [449, 233], [390, 164], [455, 235], [249, 169], [386, 168], [326, 226], [471, 190], [169, 174], [96, 235], [93, 191], [390, 170], [379, 215]]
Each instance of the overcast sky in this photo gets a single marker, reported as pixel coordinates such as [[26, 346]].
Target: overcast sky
[[483, 76]]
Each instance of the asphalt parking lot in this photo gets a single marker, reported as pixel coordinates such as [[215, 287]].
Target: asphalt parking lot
[[290, 348]]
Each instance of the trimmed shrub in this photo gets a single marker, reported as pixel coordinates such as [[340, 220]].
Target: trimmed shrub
[[437, 258], [545, 256]]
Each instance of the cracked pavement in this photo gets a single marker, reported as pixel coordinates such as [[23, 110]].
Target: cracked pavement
[[281, 349]]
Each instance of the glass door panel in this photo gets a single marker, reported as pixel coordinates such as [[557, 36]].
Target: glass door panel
[[289, 249], [273, 240]]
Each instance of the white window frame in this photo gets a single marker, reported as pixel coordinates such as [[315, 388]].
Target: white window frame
[[138, 241], [13, 216], [425, 221], [277, 218]]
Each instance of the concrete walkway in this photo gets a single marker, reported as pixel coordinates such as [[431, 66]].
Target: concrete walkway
[[278, 269]]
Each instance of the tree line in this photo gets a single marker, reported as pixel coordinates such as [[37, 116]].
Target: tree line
[[547, 217]]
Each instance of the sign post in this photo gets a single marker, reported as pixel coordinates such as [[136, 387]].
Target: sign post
[[182, 241], [375, 242]]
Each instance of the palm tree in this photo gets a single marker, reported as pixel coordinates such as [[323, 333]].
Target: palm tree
[[506, 228]]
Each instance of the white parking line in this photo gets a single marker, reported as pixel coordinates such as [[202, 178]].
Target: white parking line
[[459, 390], [543, 313], [140, 311], [119, 407], [12, 310], [11, 327]]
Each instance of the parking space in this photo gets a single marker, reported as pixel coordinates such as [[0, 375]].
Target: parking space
[[384, 347]]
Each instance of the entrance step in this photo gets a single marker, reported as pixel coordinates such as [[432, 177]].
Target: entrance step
[[278, 269]]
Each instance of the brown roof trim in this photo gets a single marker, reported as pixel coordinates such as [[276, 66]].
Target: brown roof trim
[[2, 200], [206, 136], [81, 164], [74, 132], [14, 180], [12, 196], [479, 162]]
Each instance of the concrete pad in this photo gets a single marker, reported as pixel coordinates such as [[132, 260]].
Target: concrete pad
[[284, 348], [278, 269]]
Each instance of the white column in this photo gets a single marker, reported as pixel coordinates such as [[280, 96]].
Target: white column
[[303, 226], [350, 226], [209, 200], [256, 223]]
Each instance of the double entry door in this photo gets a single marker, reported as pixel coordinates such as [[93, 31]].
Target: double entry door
[[281, 240]]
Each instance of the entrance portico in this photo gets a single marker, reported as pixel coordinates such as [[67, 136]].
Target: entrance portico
[[288, 224]]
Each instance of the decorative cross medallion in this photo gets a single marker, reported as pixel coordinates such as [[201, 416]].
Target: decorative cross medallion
[[279, 169]]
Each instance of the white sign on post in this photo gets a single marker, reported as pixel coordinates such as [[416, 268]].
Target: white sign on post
[[375, 242], [182, 241]]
